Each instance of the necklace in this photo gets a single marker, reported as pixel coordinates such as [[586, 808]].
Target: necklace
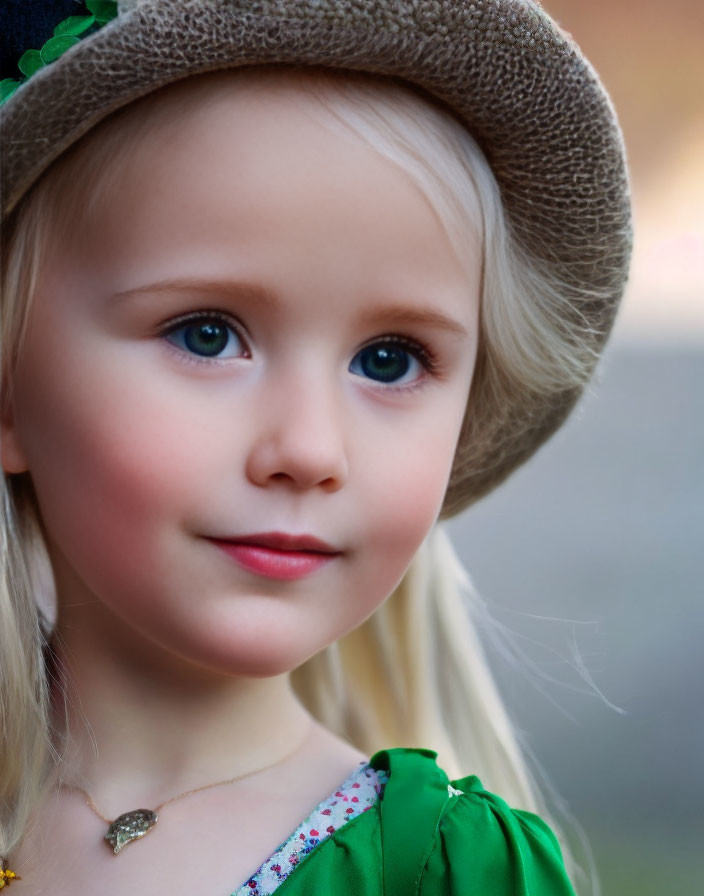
[[130, 826]]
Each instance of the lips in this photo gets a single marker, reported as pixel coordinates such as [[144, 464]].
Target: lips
[[278, 555], [280, 541]]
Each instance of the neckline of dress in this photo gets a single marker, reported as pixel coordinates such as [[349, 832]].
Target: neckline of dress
[[251, 886]]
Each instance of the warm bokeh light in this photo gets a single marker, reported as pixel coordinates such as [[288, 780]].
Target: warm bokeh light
[[650, 55]]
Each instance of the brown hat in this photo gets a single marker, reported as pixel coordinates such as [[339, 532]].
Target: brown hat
[[530, 99]]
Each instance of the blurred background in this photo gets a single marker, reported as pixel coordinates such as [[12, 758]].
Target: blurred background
[[591, 554]]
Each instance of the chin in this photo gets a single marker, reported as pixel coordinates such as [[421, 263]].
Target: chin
[[259, 658]]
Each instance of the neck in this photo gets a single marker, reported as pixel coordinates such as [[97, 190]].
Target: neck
[[143, 727]]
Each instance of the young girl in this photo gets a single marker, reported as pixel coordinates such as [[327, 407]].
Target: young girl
[[283, 283]]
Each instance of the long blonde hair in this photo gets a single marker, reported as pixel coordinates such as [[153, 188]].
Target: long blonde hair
[[414, 674]]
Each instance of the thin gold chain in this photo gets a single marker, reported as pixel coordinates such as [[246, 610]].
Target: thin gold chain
[[91, 804]]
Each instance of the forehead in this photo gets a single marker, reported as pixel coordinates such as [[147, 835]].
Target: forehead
[[250, 165], [356, 105], [234, 122]]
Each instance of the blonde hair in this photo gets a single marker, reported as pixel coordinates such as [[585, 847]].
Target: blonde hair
[[414, 674]]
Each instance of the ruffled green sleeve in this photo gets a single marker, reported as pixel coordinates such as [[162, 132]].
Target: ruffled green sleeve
[[484, 848], [428, 836]]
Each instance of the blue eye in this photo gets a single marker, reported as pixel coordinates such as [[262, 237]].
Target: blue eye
[[388, 362], [208, 336]]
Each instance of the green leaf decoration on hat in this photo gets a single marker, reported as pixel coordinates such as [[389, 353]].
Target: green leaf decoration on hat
[[55, 46], [73, 25], [103, 10], [30, 62], [7, 87], [66, 35]]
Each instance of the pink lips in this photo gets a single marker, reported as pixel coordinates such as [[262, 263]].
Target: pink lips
[[277, 555]]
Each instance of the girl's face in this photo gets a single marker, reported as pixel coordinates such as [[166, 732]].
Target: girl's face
[[261, 328]]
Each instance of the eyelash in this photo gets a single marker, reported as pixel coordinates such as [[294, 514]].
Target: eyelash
[[206, 315], [419, 351]]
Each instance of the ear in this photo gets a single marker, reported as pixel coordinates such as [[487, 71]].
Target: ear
[[12, 456]]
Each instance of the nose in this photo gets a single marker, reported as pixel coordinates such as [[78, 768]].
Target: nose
[[298, 435]]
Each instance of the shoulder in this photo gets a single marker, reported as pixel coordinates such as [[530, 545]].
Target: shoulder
[[454, 837]]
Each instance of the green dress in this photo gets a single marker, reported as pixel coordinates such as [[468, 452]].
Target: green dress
[[429, 836]]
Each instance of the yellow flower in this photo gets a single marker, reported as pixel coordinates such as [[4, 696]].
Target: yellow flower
[[6, 876]]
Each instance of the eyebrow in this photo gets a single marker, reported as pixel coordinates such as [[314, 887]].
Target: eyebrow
[[216, 288], [409, 314], [390, 314]]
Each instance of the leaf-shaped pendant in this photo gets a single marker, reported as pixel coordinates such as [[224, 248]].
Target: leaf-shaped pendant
[[130, 826]]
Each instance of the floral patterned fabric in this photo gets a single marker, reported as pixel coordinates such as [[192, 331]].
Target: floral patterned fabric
[[356, 795]]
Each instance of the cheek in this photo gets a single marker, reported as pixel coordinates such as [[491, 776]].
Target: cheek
[[104, 462], [407, 488]]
